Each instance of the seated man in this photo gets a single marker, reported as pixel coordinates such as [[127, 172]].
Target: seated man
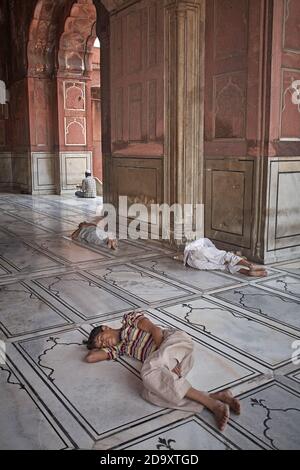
[[88, 187], [167, 357], [93, 234], [202, 254]]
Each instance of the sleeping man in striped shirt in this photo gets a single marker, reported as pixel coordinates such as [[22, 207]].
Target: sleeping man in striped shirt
[[167, 357]]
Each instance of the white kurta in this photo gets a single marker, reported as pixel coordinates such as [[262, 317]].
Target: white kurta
[[203, 254]]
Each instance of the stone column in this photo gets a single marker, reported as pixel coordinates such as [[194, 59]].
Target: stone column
[[184, 105]]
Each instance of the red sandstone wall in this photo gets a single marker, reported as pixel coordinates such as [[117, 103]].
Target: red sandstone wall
[[4, 40], [137, 71], [233, 87], [232, 77], [285, 115]]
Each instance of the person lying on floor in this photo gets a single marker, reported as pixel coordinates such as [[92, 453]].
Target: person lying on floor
[[93, 234], [202, 254], [167, 357]]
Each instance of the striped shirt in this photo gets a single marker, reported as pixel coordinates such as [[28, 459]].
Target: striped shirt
[[134, 342]]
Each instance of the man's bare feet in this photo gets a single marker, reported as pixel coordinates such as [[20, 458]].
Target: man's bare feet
[[228, 398], [179, 257], [75, 234], [256, 267], [112, 244], [222, 415], [258, 273]]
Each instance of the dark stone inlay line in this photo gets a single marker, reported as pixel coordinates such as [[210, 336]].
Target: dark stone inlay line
[[45, 352], [270, 411]]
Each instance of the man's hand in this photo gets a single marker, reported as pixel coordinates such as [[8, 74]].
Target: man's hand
[[177, 369], [96, 355]]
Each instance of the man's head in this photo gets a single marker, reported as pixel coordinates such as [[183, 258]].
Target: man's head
[[87, 174], [102, 337]]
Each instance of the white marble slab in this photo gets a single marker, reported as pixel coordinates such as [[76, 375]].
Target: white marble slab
[[202, 280], [50, 223], [25, 424], [191, 434], [23, 311], [19, 227], [263, 302], [68, 251], [83, 296], [249, 336], [286, 284], [3, 271], [124, 249], [292, 268], [25, 258], [271, 414], [139, 284]]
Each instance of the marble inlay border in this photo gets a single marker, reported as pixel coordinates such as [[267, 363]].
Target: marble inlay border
[[201, 328]]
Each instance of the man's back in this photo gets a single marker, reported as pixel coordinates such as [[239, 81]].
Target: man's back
[[89, 187]]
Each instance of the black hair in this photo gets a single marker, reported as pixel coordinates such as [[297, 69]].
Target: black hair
[[90, 343], [88, 173]]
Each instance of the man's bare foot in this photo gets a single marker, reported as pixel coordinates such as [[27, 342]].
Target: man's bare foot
[[228, 398], [222, 415], [256, 267], [75, 234], [112, 244], [260, 273]]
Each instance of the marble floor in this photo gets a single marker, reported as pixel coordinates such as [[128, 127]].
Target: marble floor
[[53, 291]]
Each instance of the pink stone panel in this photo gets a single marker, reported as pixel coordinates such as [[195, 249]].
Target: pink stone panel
[[135, 112], [291, 38], [230, 106], [230, 41], [137, 79]]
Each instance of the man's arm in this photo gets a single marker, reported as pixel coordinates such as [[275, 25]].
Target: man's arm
[[96, 355], [157, 333]]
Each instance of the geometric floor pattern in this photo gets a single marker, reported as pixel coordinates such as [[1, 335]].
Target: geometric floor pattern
[[53, 291]]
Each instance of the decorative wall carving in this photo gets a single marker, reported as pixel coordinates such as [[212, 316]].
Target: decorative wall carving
[[230, 106], [74, 96], [75, 131]]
